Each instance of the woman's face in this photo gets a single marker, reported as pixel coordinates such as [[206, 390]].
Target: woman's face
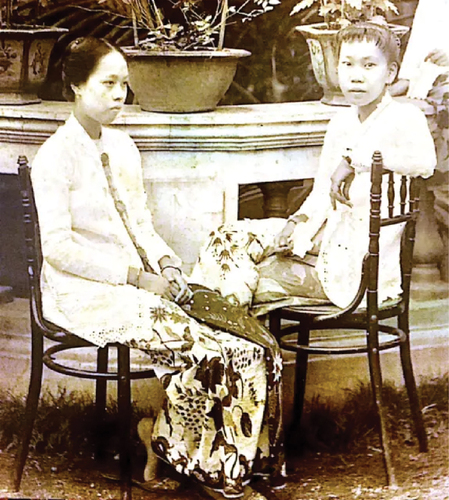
[[364, 72], [100, 99]]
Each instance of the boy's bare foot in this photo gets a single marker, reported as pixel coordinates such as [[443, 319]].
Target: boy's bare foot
[[145, 431]]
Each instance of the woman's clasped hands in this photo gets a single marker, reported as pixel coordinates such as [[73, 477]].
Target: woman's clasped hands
[[178, 286], [170, 284]]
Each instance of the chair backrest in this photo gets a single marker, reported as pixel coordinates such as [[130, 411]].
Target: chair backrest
[[407, 210], [402, 211], [33, 254], [31, 228]]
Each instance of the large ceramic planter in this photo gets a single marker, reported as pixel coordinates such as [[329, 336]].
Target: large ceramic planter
[[322, 43], [181, 82], [24, 56]]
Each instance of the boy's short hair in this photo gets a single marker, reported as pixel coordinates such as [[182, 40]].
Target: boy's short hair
[[380, 34]]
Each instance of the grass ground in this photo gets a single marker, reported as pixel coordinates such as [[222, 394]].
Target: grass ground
[[334, 456]]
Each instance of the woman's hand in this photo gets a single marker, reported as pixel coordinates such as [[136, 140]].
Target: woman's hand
[[179, 287], [341, 181], [154, 283]]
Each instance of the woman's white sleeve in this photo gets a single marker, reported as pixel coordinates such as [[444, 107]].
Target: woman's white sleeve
[[51, 176]]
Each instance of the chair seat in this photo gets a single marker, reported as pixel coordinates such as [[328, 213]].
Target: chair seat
[[320, 312], [317, 310], [50, 359]]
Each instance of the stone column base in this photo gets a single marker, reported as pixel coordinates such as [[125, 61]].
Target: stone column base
[[6, 294], [427, 284]]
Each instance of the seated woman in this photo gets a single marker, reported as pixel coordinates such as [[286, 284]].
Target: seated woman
[[317, 255], [107, 276]]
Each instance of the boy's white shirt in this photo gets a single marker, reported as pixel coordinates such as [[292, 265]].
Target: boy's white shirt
[[400, 132]]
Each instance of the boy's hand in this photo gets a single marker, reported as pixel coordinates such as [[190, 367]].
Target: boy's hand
[[282, 241], [341, 181]]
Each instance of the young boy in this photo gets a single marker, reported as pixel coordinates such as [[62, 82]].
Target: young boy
[[319, 252]]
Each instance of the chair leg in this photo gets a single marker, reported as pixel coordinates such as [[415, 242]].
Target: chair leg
[[302, 358], [274, 324], [300, 368], [124, 410], [300, 365], [100, 401], [30, 408], [410, 384], [376, 384]]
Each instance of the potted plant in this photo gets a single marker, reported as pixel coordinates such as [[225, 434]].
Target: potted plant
[[24, 55], [322, 37], [178, 62]]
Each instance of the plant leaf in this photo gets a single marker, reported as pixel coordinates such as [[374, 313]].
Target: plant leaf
[[355, 4], [390, 6], [303, 4]]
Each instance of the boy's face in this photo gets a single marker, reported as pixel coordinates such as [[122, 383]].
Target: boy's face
[[364, 72]]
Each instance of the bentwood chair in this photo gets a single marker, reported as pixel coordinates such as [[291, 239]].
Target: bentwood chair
[[369, 317], [63, 341]]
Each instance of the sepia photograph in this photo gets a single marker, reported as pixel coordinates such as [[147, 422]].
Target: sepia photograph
[[224, 249]]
